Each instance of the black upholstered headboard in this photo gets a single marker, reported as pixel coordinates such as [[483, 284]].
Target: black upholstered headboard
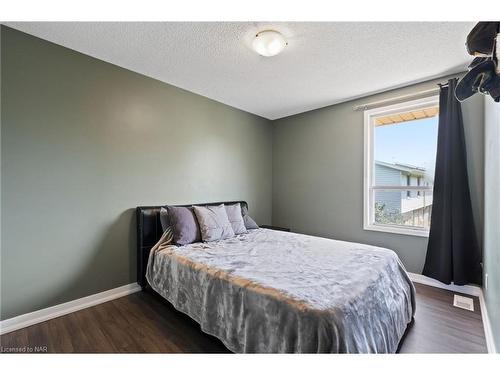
[[149, 232]]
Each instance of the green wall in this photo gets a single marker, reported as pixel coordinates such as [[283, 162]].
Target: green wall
[[83, 142], [492, 215], [318, 174]]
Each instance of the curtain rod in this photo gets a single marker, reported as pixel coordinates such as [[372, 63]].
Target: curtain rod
[[396, 99]]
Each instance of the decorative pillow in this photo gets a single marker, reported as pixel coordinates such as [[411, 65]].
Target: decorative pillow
[[236, 218], [214, 223], [184, 225], [165, 223], [249, 222]]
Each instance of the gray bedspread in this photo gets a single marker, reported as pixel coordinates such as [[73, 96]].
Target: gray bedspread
[[276, 292]]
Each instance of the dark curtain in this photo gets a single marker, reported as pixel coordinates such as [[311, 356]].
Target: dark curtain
[[453, 252]]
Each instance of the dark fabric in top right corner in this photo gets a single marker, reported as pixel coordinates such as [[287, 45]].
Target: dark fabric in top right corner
[[453, 253]]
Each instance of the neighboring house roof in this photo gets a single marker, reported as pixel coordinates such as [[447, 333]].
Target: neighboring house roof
[[407, 168]]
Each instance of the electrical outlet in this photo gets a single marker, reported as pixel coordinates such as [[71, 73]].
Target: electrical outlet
[[486, 281]]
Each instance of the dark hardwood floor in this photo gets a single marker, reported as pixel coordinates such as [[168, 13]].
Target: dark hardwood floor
[[440, 327], [143, 322]]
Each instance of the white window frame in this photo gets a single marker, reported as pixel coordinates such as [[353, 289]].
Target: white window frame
[[369, 187]]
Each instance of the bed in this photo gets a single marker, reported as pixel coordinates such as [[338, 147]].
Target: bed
[[269, 291]]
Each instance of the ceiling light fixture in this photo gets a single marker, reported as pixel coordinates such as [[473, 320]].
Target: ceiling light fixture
[[269, 43]]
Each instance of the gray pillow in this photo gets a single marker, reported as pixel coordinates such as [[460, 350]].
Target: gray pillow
[[249, 222], [184, 225], [165, 223], [236, 218], [214, 223]]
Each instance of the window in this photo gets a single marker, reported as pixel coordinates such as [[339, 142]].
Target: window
[[400, 156]]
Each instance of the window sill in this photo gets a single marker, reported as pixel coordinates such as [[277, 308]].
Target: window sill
[[393, 229]]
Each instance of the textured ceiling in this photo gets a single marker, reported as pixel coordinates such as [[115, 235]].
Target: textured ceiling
[[323, 64]]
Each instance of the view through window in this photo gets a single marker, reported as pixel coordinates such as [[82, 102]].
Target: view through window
[[401, 168]]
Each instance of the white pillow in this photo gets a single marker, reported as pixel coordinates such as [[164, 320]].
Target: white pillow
[[214, 223], [236, 218]]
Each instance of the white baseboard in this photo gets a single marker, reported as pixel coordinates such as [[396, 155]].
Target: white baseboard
[[52, 312], [472, 290], [488, 333]]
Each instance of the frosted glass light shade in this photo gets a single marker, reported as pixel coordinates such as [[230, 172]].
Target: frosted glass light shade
[[269, 43]]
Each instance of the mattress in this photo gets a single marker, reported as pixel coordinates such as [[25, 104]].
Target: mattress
[[268, 291]]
